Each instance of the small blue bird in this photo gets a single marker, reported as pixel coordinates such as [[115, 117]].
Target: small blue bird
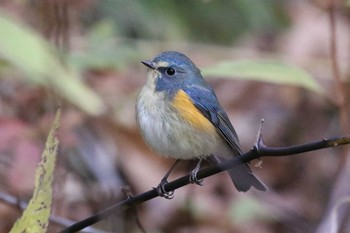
[[180, 117]]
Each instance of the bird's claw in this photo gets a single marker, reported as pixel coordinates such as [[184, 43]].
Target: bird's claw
[[193, 178], [162, 192]]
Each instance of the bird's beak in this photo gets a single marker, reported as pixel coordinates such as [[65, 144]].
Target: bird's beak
[[149, 64]]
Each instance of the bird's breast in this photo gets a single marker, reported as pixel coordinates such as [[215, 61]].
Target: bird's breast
[[175, 128]]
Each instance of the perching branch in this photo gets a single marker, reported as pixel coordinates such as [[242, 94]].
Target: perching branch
[[259, 150]]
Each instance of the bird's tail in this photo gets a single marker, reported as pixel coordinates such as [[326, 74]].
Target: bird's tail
[[242, 176]]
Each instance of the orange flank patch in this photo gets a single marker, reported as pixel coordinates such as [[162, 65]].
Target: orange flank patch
[[184, 105]]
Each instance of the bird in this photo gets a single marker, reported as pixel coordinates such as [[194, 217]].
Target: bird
[[180, 117]]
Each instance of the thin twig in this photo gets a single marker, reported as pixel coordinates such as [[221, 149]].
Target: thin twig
[[128, 193], [341, 188], [60, 221], [339, 88]]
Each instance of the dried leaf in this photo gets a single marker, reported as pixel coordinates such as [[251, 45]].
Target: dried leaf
[[35, 218]]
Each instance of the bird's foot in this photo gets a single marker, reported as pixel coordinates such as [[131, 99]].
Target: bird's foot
[[193, 177], [162, 192]]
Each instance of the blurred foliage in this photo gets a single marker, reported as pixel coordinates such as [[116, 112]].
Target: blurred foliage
[[35, 218], [267, 71], [41, 65], [247, 209], [335, 225], [218, 21], [103, 51]]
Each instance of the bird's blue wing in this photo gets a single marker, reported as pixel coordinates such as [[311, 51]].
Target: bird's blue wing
[[206, 102], [203, 97]]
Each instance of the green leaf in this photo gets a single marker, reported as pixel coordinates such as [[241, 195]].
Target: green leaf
[[40, 62], [265, 71], [35, 218]]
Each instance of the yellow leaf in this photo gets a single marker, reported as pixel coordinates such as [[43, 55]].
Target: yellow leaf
[[35, 218]]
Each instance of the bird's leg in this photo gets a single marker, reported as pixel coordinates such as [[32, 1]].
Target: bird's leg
[[161, 189], [193, 174]]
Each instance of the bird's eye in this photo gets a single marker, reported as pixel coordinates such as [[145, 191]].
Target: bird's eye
[[170, 71]]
